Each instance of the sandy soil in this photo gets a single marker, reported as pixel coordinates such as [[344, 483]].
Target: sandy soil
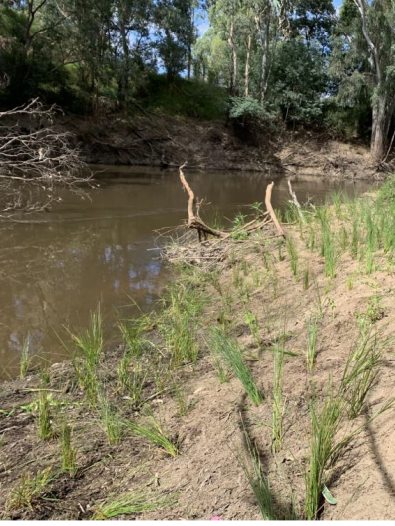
[[207, 478]]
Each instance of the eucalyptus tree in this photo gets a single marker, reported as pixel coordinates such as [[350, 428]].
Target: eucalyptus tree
[[363, 60]]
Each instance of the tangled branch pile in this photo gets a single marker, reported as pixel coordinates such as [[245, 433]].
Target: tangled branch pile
[[35, 159], [186, 249]]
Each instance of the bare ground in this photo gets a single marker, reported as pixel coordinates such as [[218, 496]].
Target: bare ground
[[207, 478]]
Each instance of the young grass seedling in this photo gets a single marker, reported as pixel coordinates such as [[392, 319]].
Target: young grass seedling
[[128, 504], [278, 404], [312, 331], [153, 432], [293, 255], [30, 489], [69, 455], [45, 429], [324, 427], [230, 352], [89, 346]]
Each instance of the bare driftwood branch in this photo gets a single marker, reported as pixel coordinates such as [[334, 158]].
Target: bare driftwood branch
[[296, 202], [36, 159], [194, 220], [269, 208], [184, 248]]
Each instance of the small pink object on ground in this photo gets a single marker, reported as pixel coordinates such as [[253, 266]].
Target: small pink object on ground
[[216, 518]]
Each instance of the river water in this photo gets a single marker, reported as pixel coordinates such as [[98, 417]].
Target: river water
[[56, 267]]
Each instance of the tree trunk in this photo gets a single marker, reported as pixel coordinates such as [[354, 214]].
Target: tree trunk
[[126, 66], [233, 73], [247, 70], [381, 118], [265, 64]]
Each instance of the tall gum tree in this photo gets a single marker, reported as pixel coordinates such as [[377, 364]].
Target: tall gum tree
[[377, 24]]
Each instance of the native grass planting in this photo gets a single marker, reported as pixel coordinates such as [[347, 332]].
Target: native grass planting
[[267, 362]]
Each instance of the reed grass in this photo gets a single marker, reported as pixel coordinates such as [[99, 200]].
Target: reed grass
[[293, 255], [324, 427], [86, 359], [129, 504], [178, 323], [253, 324], [257, 480], [230, 352], [328, 246], [111, 421], [30, 490], [360, 373], [44, 423], [306, 276], [154, 433], [69, 454], [312, 331], [278, 403], [132, 379]]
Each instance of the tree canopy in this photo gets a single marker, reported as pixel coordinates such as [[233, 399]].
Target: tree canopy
[[299, 62]]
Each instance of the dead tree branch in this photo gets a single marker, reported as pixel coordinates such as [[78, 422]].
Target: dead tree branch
[[183, 248], [269, 208], [194, 220], [296, 202], [36, 158]]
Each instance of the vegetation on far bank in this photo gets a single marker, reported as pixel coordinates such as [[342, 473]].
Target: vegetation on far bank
[[278, 356], [269, 63]]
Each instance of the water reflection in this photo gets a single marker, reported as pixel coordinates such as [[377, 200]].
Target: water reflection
[[56, 267]]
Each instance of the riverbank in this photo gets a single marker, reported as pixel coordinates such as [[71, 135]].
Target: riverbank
[[164, 421], [166, 141]]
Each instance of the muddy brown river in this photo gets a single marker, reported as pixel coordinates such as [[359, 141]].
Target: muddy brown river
[[56, 267]]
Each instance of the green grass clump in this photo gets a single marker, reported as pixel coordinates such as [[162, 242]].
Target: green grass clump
[[230, 352], [278, 404], [360, 373], [30, 490], [328, 250], [253, 324], [44, 423], [293, 255], [178, 323], [69, 455], [324, 427], [86, 359], [132, 331], [153, 432], [312, 331], [132, 379], [128, 504], [111, 421]]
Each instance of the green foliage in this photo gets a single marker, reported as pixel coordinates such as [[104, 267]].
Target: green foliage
[[231, 354], [30, 490], [69, 454], [298, 80], [128, 504], [152, 431]]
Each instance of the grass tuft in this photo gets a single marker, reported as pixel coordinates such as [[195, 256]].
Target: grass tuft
[[69, 455], [153, 432], [128, 504], [230, 352]]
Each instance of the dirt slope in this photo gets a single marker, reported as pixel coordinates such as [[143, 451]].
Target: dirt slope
[[207, 477], [170, 141]]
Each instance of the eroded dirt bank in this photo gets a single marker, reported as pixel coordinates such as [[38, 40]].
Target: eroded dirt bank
[[170, 141], [262, 294]]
